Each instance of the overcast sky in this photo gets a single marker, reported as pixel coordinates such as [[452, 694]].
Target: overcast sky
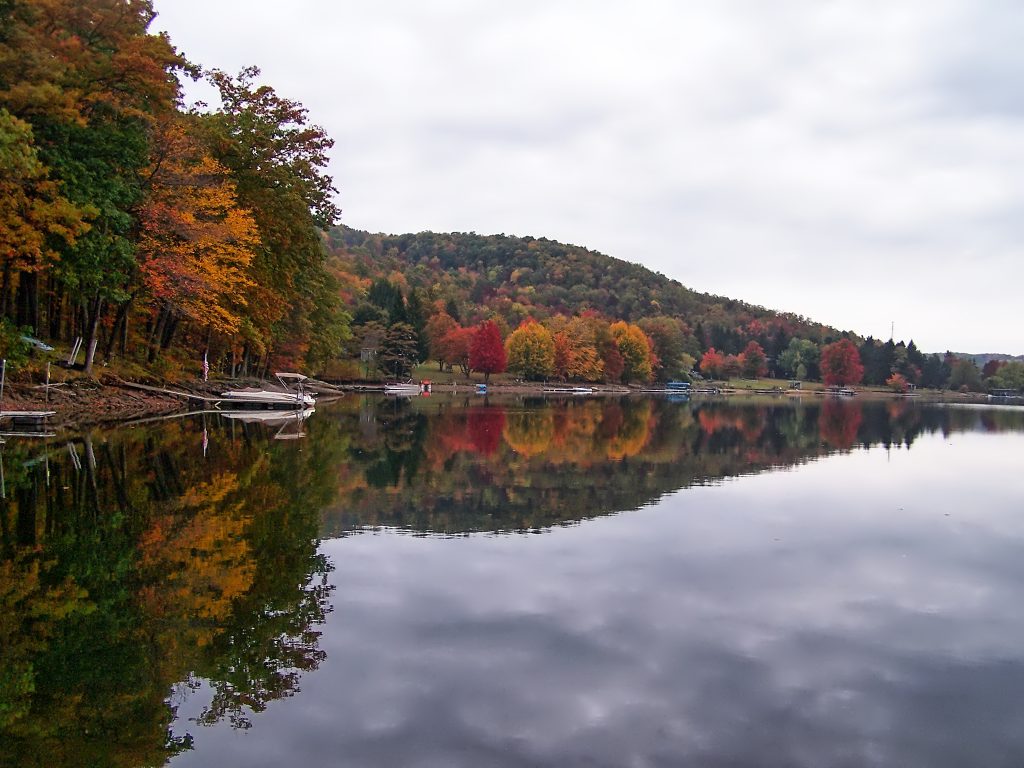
[[857, 162]]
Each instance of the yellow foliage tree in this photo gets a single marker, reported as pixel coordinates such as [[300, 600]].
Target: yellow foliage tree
[[635, 348], [32, 210], [530, 350], [582, 360]]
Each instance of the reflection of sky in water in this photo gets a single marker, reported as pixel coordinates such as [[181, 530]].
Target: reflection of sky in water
[[859, 610]]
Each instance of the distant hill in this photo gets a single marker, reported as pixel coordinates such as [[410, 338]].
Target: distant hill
[[981, 359], [517, 277]]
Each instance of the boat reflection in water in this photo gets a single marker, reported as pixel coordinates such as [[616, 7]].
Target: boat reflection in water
[[287, 422]]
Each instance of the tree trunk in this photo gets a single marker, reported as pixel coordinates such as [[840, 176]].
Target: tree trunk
[[27, 301], [169, 331], [153, 343], [5, 288], [119, 322], [54, 308], [91, 337]]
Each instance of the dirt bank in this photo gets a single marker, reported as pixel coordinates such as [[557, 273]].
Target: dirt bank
[[86, 402]]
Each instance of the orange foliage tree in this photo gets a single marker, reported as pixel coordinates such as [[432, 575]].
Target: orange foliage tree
[[712, 363], [197, 242]]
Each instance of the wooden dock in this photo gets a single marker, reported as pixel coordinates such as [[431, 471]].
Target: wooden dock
[[21, 417]]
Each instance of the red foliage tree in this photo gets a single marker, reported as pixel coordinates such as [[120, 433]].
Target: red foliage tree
[[840, 364], [992, 368], [753, 361], [731, 367], [614, 365], [487, 352], [712, 363]]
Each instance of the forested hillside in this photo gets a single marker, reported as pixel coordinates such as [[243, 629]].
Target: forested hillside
[[140, 230], [519, 277]]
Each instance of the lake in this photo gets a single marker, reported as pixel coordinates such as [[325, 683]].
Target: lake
[[459, 581]]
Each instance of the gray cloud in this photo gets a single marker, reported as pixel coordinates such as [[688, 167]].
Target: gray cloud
[[857, 162]]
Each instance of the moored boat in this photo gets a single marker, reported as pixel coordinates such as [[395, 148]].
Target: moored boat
[[293, 395], [407, 388]]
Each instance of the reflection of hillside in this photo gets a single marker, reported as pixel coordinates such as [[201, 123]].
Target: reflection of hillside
[[527, 465], [134, 564]]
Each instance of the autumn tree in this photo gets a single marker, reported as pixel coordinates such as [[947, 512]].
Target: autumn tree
[[840, 364], [35, 217], [487, 353], [563, 354], [530, 351], [437, 327], [635, 349], [731, 366], [90, 81], [671, 345], [455, 348], [898, 383], [196, 243], [583, 340], [712, 364], [991, 368], [278, 159], [753, 361]]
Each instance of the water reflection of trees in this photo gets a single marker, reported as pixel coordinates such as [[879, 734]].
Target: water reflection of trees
[[128, 563], [133, 566], [527, 464]]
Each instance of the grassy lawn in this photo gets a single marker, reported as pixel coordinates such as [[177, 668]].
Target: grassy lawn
[[429, 372]]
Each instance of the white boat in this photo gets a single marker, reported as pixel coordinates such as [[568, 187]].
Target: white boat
[[253, 397], [568, 390], [402, 389]]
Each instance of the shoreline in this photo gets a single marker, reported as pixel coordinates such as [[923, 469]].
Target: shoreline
[[85, 403]]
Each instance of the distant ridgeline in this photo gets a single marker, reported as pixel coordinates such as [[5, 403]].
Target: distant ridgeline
[[520, 277]]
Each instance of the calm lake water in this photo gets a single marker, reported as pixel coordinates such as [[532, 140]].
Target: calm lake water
[[460, 582]]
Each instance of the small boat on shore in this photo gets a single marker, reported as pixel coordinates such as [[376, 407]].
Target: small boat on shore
[[407, 389], [293, 395], [568, 390]]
